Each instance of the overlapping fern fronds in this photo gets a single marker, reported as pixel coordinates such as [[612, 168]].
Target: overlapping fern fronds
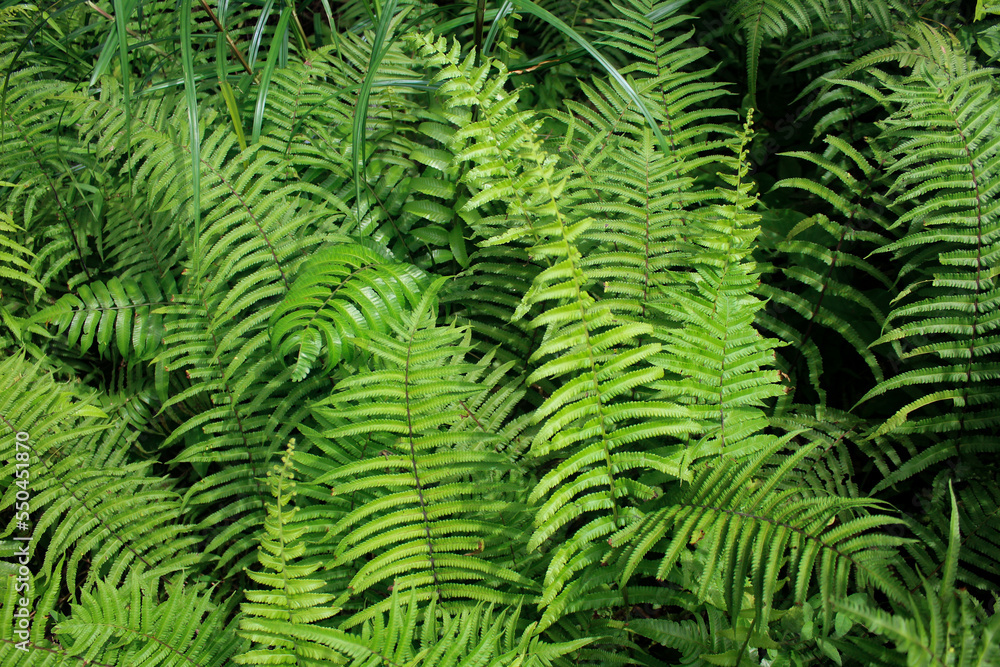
[[134, 625], [104, 516], [292, 598], [825, 286], [574, 383]]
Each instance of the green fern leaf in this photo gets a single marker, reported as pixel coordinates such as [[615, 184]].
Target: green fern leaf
[[340, 293]]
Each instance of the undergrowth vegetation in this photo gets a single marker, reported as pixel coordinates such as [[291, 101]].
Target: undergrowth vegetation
[[500, 333]]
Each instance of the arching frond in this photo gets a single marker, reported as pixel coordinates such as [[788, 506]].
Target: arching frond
[[338, 292], [102, 516], [944, 129]]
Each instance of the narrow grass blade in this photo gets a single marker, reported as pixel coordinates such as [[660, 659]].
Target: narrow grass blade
[[191, 97], [280, 33], [379, 49], [258, 32], [560, 25], [122, 12], [501, 18]]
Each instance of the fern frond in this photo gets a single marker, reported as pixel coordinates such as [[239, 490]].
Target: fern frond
[[291, 597], [26, 613], [714, 358], [824, 286], [437, 520], [13, 266], [751, 527], [939, 625], [123, 311], [767, 19], [132, 625], [97, 510], [338, 292], [432, 637], [944, 127]]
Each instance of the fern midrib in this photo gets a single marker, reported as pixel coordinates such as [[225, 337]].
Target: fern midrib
[[333, 293], [411, 436], [979, 265], [592, 366], [715, 306], [105, 309], [128, 630], [774, 522], [835, 257], [150, 245], [508, 172], [285, 580], [83, 502], [233, 406]]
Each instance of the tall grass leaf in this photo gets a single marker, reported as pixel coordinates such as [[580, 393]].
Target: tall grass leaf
[[379, 49], [560, 25], [191, 97], [280, 32]]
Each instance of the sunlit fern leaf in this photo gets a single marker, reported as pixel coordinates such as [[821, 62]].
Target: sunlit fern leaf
[[596, 426], [341, 293], [13, 265], [644, 203], [481, 148], [119, 313], [437, 522], [716, 361], [134, 625], [215, 364], [290, 595], [944, 137], [750, 526]]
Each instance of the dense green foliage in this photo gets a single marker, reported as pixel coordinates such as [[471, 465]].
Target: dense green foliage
[[568, 333]]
